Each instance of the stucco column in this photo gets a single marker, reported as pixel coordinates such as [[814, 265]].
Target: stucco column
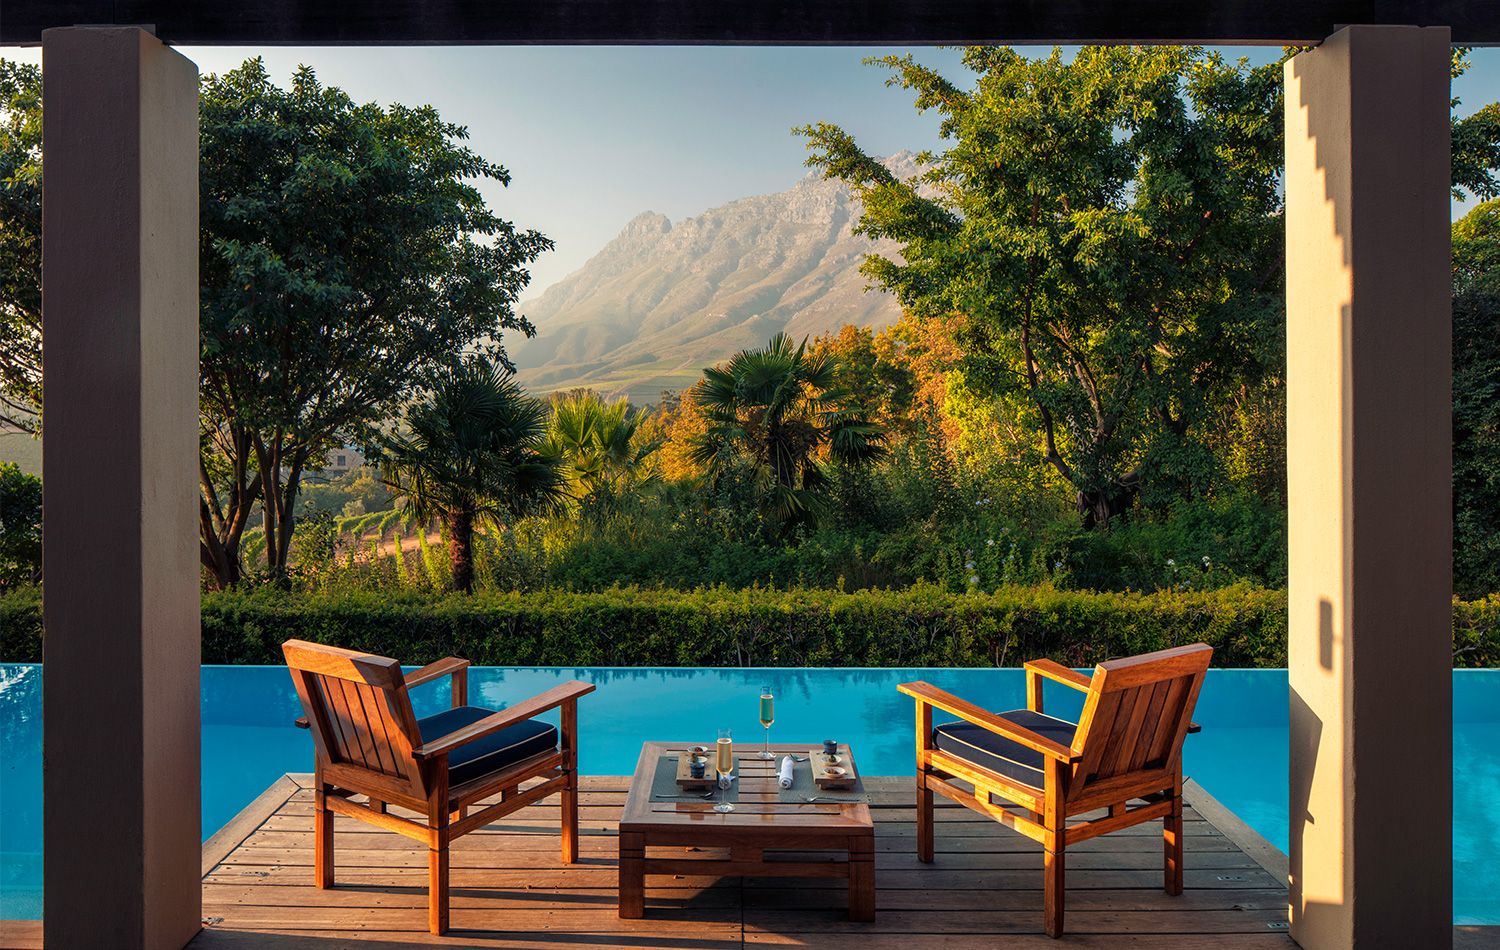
[[120, 324], [1368, 470]]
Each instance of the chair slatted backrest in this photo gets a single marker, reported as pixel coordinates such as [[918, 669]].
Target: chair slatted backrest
[[1137, 714], [358, 709]]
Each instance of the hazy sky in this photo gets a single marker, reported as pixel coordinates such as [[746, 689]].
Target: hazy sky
[[593, 136]]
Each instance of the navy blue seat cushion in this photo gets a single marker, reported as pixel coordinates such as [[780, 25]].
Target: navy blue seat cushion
[[492, 753], [998, 754]]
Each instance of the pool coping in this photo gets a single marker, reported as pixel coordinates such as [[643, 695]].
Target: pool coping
[[221, 843], [1254, 845]]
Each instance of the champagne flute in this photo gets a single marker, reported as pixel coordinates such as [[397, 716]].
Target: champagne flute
[[724, 766], [767, 716]]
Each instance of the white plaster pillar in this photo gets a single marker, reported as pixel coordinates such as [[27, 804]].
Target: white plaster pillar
[[1369, 486], [121, 653]]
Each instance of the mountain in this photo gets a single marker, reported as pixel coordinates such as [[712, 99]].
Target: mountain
[[661, 302]]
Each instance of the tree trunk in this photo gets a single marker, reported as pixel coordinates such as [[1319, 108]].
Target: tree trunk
[[219, 535], [1099, 505], [223, 563], [461, 547]]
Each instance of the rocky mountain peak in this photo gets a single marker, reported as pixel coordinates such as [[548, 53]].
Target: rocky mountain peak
[[660, 302]]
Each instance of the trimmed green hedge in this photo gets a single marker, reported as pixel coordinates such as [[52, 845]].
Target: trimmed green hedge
[[918, 626], [21, 626]]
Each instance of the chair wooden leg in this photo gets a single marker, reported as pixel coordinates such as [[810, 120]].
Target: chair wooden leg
[[925, 844], [1055, 889], [1171, 830], [437, 890], [1054, 841], [438, 813], [570, 818], [322, 838]]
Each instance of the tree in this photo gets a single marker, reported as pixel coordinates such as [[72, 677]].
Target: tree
[[1108, 230], [346, 261], [1475, 141], [1476, 401], [880, 387], [609, 453], [476, 447], [777, 409], [20, 245], [20, 527]]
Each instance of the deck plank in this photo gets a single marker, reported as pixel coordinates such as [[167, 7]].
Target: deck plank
[[509, 889]]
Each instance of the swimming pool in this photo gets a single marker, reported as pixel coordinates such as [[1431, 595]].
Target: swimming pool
[[1240, 757]]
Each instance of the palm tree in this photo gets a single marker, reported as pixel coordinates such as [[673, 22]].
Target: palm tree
[[476, 447], [608, 453], [779, 408]]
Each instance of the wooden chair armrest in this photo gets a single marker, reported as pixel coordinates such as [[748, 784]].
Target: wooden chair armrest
[[927, 693], [1194, 727], [448, 665], [526, 709], [1058, 672]]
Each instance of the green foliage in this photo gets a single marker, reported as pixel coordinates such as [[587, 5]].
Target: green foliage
[[476, 447], [21, 625], [1108, 228], [20, 244], [253, 551], [773, 411], [1475, 143], [921, 626], [609, 454], [880, 388], [317, 541], [346, 261], [20, 527], [1476, 632], [1476, 401], [357, 491]]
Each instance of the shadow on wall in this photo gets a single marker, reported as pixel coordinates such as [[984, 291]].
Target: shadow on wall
[[1306, 737]]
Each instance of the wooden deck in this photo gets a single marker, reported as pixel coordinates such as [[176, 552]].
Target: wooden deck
[[509, 889]]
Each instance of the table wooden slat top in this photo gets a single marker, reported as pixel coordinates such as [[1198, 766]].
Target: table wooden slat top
[[760, 823], [759, 806]]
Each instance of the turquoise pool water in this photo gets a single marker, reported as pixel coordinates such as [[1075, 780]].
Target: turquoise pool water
[[1240, 757]]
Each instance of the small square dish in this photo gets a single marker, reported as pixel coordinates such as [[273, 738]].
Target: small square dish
[[685, 778], [832, 771]]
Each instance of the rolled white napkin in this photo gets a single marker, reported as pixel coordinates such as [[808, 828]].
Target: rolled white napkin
[[785, 778], [724, 780]]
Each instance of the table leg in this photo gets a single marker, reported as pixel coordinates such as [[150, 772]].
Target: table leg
[[633, 874], [861, 877]]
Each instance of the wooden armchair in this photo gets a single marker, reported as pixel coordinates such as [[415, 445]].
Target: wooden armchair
[[369, 742], [1127, 745]]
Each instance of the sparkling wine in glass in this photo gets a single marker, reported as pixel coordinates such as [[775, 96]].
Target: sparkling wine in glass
[[767, 716], [724, 765]]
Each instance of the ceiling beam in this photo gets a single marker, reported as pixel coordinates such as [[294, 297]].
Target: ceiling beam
[[744, 22]]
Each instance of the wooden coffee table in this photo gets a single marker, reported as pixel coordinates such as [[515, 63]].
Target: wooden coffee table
[[759, 822]]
